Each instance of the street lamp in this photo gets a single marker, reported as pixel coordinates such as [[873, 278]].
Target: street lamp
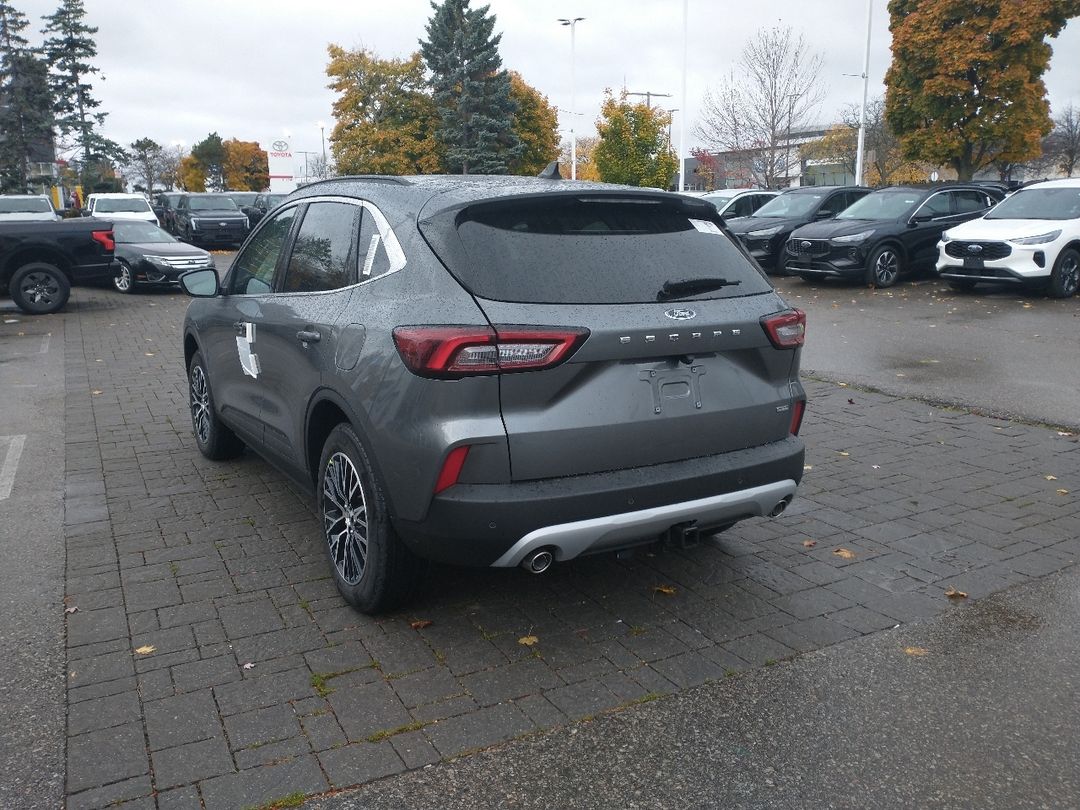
[[573, 98], [859, 150]]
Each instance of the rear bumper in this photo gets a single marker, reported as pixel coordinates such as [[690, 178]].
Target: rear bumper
[[499, 524]]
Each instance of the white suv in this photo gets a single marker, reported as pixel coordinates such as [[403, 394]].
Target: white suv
[[1031, 237], [120, 206]]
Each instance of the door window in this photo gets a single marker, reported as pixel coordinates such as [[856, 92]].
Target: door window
[[936, 206], [374, 260], [253, 271], [324, 253], [969, 202]]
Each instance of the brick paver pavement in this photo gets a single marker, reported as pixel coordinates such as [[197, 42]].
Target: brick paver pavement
[[212, 664]]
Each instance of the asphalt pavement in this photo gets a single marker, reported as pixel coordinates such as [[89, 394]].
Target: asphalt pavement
[[32, 689], [1003, 351], [976, 708]]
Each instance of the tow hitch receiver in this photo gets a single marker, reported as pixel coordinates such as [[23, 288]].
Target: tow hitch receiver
[[682, 535]]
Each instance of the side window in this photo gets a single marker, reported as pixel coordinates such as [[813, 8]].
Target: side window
[[968, 202], [744, 206], [831, 207], [324, 253], [253, 271], [760, 200], [258, 202], [374, 260], [936, 206]]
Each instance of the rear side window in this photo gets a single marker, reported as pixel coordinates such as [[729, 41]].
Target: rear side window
[[572, 250], [323, 255], [968, 202]]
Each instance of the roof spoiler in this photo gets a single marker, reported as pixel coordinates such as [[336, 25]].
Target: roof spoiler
[[551, 172]]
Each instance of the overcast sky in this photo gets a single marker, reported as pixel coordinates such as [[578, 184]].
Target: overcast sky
[[255, 69]]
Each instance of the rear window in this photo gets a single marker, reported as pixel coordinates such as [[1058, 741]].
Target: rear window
[[595, 251], [24, 205], [120, 206]]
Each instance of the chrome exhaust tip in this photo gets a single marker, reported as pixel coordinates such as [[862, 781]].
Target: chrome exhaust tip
[[779, 508], [538, 562]]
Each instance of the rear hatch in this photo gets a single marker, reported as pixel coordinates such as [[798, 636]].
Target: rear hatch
[[676, 364]]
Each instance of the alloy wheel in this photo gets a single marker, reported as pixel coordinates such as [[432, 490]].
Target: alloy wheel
[[40, 288], [122, 279], [1070, 275], [200, 404], [886, 268], [345, 517]]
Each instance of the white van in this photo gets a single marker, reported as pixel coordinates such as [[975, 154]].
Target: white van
[[120, 206]]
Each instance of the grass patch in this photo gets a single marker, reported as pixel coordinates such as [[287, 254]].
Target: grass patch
[[319, 680], [292, 800], [648, 698], [387, 733]]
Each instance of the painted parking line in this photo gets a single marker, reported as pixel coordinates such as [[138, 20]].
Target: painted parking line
[[11, 463]]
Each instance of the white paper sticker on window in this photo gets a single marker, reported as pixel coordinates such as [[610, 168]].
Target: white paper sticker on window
[[705, 226]]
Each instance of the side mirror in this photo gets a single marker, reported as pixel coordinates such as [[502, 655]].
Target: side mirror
[[918, 219], [200, 283], [824, 215]]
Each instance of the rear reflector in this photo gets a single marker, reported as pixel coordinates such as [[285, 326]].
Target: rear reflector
[[797, 410], [786, 330], [451, 468], [104, 238], [463, 351]]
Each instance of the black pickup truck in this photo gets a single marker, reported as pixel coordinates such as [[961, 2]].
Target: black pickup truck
[[39, 261]]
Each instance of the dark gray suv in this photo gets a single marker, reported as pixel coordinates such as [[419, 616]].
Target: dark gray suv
[[499, 371]]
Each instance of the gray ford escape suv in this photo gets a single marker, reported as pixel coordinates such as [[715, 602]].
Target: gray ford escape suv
[[498, 371]]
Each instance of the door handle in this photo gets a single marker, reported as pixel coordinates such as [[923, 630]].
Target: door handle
[[240, 327], [308, 336]]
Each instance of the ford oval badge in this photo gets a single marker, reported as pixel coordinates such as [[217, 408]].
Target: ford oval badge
[[679, 314]]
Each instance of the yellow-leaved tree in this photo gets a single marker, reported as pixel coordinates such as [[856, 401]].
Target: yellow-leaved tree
[[245, 167], [965, 87], [192, 175], [536, 123], [634, 148], [385, 116]]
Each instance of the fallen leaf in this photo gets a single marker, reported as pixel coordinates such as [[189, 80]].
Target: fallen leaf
[[420, 624], [95, 392], [1050, 477], [875, 466], [528, 641], [1063, 433], [809, 543], [916, 651], [146, 649], [844, 553], [1027, 306], [850, 401], [665, 589], [72, 609], [807, 468], [249, 665], [845, 453], [149, 354], [952, 593], [1063, 492], [842, 385]]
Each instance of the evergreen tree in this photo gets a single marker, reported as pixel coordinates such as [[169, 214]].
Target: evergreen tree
[[145, 159], [69, 48], [209, 153], [25, 104], [471, 90]]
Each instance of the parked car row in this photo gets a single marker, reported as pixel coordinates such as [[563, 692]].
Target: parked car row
[[968, 233], [213, 218]]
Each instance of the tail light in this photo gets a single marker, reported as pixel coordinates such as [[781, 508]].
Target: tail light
[[104, 238], [465, 351], [786, 330], [451, 468], [797, 410]]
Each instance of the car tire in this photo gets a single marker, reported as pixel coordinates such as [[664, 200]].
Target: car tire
[[39, 288], [962, 286], [373, 569], [124, 280], [1065, 277], [781, 263], [884, 267], [213, 438]]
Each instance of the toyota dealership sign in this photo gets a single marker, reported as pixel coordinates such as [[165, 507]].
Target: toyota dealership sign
[[279, 156]]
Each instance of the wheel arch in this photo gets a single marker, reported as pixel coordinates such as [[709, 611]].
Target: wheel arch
[[889, 241], [191, 345], [31, 254], [325, 411]]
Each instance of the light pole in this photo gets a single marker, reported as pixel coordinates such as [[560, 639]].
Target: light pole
[[573, 98], [322, 137], [862, 110]]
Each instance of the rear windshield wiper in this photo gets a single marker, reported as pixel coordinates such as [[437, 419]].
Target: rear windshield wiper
[[691, 286]]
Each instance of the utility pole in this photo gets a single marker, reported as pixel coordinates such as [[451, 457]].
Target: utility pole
[[649, 96], [682, 121], [860, 149]]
